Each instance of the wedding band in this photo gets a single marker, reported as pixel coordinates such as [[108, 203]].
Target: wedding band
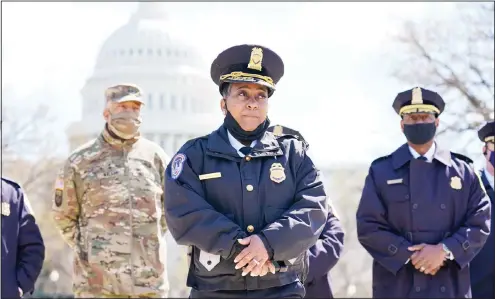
[[422, 269], [256, 262]]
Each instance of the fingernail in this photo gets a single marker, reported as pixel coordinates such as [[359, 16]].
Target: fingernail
[[239, 240], [244, 273]]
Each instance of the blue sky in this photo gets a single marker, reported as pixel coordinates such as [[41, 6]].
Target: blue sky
[[337, 89]]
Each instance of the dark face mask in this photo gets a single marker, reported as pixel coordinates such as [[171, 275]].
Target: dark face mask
[[420, 133], [244, 136], [491, 159]]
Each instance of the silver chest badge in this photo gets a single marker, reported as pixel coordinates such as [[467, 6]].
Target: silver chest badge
[[277, 173]]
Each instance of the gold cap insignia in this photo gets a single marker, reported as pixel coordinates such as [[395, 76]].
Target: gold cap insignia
[[277, 173], [256, 59], [278, 130], [417, 96], [5, 208], [455, 183]]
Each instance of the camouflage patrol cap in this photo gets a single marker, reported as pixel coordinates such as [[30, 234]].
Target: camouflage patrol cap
[[121, 93]]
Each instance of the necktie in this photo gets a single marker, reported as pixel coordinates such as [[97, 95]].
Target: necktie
[[422, 158], [245, 150]]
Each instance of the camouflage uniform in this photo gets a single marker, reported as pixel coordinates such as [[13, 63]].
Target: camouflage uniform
[[108, 205]]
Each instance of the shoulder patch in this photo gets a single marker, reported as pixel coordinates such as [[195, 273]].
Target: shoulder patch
[[380, 159], [462, 157], [177, 165]]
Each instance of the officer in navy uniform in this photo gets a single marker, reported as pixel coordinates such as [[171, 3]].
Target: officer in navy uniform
[[249, 204], [325, 254], [23, 250], [482, 266], [423, 215]]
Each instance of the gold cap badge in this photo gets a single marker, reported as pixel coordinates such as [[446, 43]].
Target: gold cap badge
[[417, 96], [256, 59], [455, 183], [277, 173]]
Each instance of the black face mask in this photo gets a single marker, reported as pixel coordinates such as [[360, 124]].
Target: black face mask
[[420, 133], [244, 136]]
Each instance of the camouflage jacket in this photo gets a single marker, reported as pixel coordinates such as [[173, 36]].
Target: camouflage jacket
[[108, 205]]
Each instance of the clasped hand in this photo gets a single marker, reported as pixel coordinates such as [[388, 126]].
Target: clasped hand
[[253, 258], [428, 258]]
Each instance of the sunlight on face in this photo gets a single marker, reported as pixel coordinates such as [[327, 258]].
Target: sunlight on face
[[248, 104]]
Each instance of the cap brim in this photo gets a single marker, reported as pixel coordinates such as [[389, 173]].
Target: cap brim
[[250, 80]]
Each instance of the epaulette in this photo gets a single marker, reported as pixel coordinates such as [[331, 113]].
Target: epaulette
[[380, 159], [191, 142], [11, 182], [463, 158], [291, 136]]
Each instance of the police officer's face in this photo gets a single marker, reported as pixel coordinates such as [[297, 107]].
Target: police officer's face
[[248, 104], [488, 149], [418, 118]]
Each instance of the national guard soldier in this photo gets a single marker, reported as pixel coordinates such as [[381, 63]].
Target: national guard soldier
[[23, 249], [423, 213], [108, 204], [247, 202], [482, 267], [325, 254]]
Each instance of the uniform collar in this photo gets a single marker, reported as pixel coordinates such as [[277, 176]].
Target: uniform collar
[[237, 145], [110, 138], [220, 142], [489, 177], [428, 155], [403, 155]]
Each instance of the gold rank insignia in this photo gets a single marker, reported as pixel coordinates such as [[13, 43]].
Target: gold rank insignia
[[278, 130], [5, 208], [277, 173], [256, 59], [455, 183]]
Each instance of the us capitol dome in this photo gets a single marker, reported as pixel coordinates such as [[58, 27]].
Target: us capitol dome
[[180, 98]]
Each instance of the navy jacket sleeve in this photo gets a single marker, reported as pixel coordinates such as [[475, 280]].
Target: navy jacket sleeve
[[469, 239], [190, 218], [30, 248], [301, 225], [326, 252], [374, 232]]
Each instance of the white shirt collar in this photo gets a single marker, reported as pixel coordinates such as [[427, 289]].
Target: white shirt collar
[[490, 178], [237, 145], [429, 154]]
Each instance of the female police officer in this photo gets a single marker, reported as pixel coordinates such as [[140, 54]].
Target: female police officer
[[248, 203]]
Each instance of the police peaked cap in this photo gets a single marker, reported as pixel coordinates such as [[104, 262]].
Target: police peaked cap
[[487, 132], [248, 64], [418, 100]]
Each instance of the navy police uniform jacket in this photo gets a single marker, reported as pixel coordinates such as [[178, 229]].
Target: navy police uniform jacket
[[482, 266], [323, 256], [406, 201], [214, 197], [23, 250]]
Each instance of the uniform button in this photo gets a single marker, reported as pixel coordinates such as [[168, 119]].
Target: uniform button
[[418, 289], [442, 206], [442, 289], [250, 228], [415, 206], [407, 196], [249, 188], [248, 158]]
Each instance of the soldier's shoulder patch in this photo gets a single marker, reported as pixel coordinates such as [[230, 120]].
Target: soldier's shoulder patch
[[377, 160], [59, 188], [177, 165], [462, 158]]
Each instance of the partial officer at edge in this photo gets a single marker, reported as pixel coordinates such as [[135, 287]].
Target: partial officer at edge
[[325, 254], [242, 198], [23, 249], [423, 215], [482, 267]]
